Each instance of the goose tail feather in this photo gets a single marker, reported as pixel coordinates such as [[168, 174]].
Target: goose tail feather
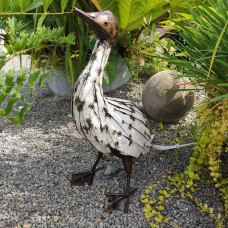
[[161, 147]]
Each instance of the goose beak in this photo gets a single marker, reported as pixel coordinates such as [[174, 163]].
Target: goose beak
[[87, 17]]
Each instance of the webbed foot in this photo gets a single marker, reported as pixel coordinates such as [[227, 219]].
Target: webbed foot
[[86, 177], [118, 201], [83, 177]]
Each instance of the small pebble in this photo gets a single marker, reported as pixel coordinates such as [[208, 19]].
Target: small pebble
[[55, 219]]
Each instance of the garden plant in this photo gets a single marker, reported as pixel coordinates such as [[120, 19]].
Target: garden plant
[[203, 59]]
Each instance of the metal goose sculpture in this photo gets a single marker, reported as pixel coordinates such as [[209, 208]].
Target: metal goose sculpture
[[111, 125]]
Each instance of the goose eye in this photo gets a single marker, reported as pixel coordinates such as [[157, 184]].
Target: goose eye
[[105, 23]]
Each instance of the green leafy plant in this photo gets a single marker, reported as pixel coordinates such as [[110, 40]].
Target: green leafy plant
[[204, 58], [132, 16], [58, 14], [138, 62], [154, 206], [211, 145], [204, 61], [36, 43], [10, 92], [36, 14], [10, 84]]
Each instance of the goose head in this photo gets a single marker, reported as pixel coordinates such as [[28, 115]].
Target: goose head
[[104, 24]]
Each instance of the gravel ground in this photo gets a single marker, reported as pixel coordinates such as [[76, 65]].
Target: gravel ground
[[36, 161]]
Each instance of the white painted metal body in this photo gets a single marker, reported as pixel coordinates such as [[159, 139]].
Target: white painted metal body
[[104, 121]]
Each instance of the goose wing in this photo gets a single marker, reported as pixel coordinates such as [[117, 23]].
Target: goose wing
[[130, 125]]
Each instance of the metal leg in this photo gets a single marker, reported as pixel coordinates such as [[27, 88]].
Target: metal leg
[[93, 170], [127, 162], [97, 161], [115, 199], [86, 177]]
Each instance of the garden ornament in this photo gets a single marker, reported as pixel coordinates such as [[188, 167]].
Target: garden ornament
[[111, 125]]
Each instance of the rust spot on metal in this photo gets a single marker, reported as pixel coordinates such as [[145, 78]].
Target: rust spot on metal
[[75, 88], [99, 70], [91, 106], [80, 106], [89, 122], [132, 110], [95, 98], [144, 116], [145, 133], [119, 133], [132, 117], [86, 76], [76, 100], [106, 112], [130, 142], [130, 126], [101, 128], [93, 56], [86, 129]]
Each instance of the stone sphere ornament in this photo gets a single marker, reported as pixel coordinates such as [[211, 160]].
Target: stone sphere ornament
[[164, 105]]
